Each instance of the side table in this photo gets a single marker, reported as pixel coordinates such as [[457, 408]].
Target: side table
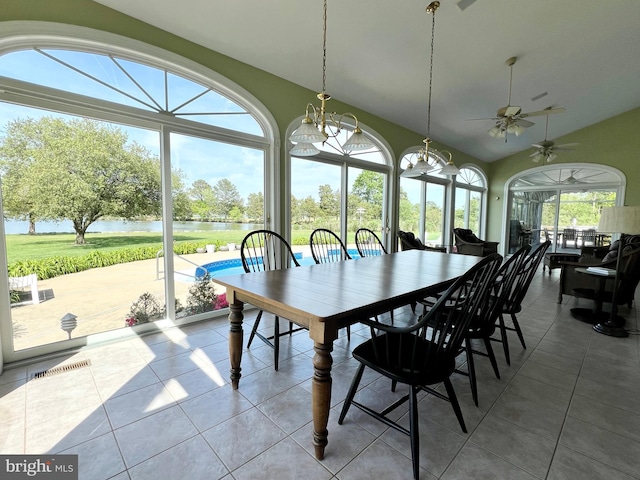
[[554, 260], [594, 315]]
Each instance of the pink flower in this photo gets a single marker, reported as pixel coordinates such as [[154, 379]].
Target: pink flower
[[130, 321], [221, 301]]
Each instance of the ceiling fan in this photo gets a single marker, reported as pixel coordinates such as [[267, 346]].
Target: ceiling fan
[[546, 149], [510, 119], [570, 180]]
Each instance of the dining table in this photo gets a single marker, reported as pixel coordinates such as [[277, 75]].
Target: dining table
[[326, 297]]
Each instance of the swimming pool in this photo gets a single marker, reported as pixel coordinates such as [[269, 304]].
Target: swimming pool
[[233, 266]]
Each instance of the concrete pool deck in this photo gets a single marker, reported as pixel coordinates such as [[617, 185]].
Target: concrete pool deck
[[101, 297]]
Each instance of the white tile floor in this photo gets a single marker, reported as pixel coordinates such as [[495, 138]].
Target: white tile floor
[[161, 407]]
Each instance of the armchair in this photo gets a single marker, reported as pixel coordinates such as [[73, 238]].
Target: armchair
[[408, 241], [571, 281], [468, 244]]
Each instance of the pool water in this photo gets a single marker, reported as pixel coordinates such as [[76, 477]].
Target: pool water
[[233, 266]]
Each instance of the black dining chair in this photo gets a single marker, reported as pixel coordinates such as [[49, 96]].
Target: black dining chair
[[326, 247], [513, 304], [368, 243], [484, 324], [263, 250], [424, 353]]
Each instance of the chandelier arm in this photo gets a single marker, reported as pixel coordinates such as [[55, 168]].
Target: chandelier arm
[[341, 116]]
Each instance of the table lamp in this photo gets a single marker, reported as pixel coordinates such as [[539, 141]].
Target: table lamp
[[625, 221]]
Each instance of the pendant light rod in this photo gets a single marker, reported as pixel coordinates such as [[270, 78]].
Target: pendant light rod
[[318, 126], [422, 164]]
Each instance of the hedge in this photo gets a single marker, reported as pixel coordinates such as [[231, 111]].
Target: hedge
[[62, 265]]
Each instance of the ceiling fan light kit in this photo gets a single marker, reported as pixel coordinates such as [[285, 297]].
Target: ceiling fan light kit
[[546, 149], [510, 120]]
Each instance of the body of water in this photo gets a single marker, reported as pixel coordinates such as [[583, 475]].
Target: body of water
[[18, 227]]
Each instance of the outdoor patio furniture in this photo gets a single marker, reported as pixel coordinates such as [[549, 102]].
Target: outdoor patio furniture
[[29, 282], [468, 243]]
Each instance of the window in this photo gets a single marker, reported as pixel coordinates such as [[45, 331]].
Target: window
[[548, 200], [423, 203], [339, 190], [470, 200], [145, 153]]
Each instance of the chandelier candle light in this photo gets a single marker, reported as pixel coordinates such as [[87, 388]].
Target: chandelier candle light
[[422, 165], [316, 127]]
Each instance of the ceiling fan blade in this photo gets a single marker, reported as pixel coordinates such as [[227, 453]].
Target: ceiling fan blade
[[524, 123], [537, 145], [567, 145], [547, 111], [509, 111], [535, 154], [485, 118]]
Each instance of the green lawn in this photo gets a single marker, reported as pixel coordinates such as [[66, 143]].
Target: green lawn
[[45, 245]]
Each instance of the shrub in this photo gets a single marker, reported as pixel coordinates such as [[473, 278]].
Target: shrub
[[144, 310], [61, 265], [202, 297]]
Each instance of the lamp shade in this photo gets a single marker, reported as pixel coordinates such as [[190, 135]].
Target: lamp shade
[[620, 220], [357, 141], [307, 132], [304, 150], [410, 172], [450, 169]]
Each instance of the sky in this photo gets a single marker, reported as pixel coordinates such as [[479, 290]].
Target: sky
[[196, 158]]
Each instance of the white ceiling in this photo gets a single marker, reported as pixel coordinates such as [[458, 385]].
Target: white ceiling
[[585, 54]]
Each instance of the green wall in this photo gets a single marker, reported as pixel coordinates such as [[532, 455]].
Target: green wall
[[612, 142]]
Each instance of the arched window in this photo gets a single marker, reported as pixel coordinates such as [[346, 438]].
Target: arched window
[[553, 201], [340, 190], [424, 205], [103, 134], [471, 204]]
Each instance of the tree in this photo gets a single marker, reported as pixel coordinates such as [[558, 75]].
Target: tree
[[226, 197], [203, 198], [255, 207], [181, 203], [368, 187], [329, 201], [309, 209], [79, 169]]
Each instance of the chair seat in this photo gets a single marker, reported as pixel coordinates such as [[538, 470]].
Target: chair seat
[[434, 368]]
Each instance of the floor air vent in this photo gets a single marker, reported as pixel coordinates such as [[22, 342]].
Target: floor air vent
[[61, 369]]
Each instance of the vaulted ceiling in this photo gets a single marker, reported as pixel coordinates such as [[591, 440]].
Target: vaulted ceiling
[[582, 55]]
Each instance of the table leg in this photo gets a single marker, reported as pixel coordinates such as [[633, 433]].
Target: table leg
[[235, 341], [321, 395]]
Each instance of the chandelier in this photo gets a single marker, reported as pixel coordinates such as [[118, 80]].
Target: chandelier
[[427, 153], [318, 125]]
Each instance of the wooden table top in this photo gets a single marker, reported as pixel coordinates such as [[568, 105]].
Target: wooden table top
[[361, 288]]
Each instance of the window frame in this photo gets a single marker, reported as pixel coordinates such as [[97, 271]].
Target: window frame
[[24, 35]]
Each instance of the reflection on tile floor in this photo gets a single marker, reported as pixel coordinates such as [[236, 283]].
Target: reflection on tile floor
[[161, 407]]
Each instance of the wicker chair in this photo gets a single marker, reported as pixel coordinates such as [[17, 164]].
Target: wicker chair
[[571, 281], [468, 244]]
